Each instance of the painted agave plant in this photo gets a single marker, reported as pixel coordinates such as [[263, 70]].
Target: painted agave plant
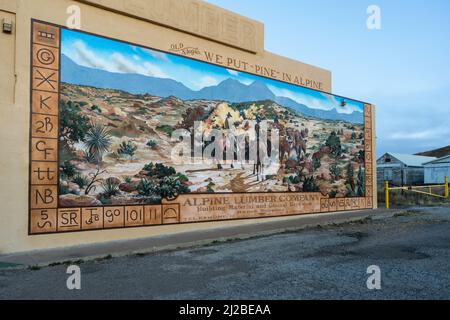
[[97, 140]]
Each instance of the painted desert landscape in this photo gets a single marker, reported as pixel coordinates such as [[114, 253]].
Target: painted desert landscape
[[115, 137]]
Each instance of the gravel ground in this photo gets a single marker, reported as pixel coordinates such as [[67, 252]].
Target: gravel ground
[[412, 250]]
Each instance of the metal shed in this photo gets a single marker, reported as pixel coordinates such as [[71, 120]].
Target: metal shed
[[401, 169], [436, 170]]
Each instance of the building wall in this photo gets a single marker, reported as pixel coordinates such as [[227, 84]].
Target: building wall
[[414, 176], [7, 70], [397, 173], [389, 169], [393, 175], [400, 175], [435, 173], [15, 109]]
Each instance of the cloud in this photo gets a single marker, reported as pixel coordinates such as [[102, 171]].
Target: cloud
[[117, 62], [157, 55], [420, 134], [121, 64], [285, 93], [322, 102], [233, 72], [350, 106], [155, 71], [86, 57], [413, 122], [124, 65], [307, 100], [206, 81]]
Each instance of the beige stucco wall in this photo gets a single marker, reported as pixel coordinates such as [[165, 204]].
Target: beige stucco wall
[[7, 70], [193, 16], [15, 109]]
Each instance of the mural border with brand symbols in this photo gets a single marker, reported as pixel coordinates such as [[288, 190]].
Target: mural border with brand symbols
[[45, 217]]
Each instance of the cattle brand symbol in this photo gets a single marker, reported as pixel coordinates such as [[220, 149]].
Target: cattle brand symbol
[[43, 197], [45, 150], [46, 174], [114, 217], [46, 79], [45, 56], [43, 220], [44, 126], [171, 214], [152, 215], [112, 213], [44, 223], [43, 102], [92, 218], [46, 196], [134, 216], [69, 219], [46, 35]]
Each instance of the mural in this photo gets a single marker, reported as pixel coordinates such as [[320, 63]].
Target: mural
[[119, 104]]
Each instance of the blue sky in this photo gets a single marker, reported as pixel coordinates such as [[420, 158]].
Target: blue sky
[[114, 56], [404, 68]]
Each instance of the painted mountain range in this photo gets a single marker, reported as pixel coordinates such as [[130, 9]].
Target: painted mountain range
[[229, 90]]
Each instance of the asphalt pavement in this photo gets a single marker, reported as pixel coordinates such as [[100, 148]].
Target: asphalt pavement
[[412, 250]]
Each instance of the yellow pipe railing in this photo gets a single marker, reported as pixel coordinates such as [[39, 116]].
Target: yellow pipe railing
[[415, 189], [386, 188], [446, 187]]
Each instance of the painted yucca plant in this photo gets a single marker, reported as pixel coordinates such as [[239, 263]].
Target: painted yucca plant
[[127, 149], [110, 187], [98, 140], [80, 180]]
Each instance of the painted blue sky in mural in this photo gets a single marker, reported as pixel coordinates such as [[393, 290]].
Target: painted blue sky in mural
[[114, 56]]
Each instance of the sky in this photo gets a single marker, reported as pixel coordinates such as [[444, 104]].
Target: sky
[[403, 68], [119, 57]]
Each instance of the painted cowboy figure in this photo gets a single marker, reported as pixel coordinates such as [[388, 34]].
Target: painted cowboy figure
[[257, 167], [227, 124]]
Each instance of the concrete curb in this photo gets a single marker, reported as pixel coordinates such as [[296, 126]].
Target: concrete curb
[[70, 255]]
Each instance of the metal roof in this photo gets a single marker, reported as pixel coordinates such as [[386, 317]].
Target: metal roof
[[411, 160], [438, 159]]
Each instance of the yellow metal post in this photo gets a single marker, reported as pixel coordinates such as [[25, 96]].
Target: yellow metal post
[[446, 186], [386, 189]]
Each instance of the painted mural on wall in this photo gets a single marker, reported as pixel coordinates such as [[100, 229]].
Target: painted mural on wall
[[118, 105]]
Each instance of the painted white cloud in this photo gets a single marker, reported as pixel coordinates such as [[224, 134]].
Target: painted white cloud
[[328, 102], [206, 81], [155, 70], [302, 99], [245, 81], [85, 57], [123, 65], [157, 55], [336, 103], [233, 72], [118, 63]]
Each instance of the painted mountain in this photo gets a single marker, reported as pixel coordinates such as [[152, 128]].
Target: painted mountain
[[229, 90]]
